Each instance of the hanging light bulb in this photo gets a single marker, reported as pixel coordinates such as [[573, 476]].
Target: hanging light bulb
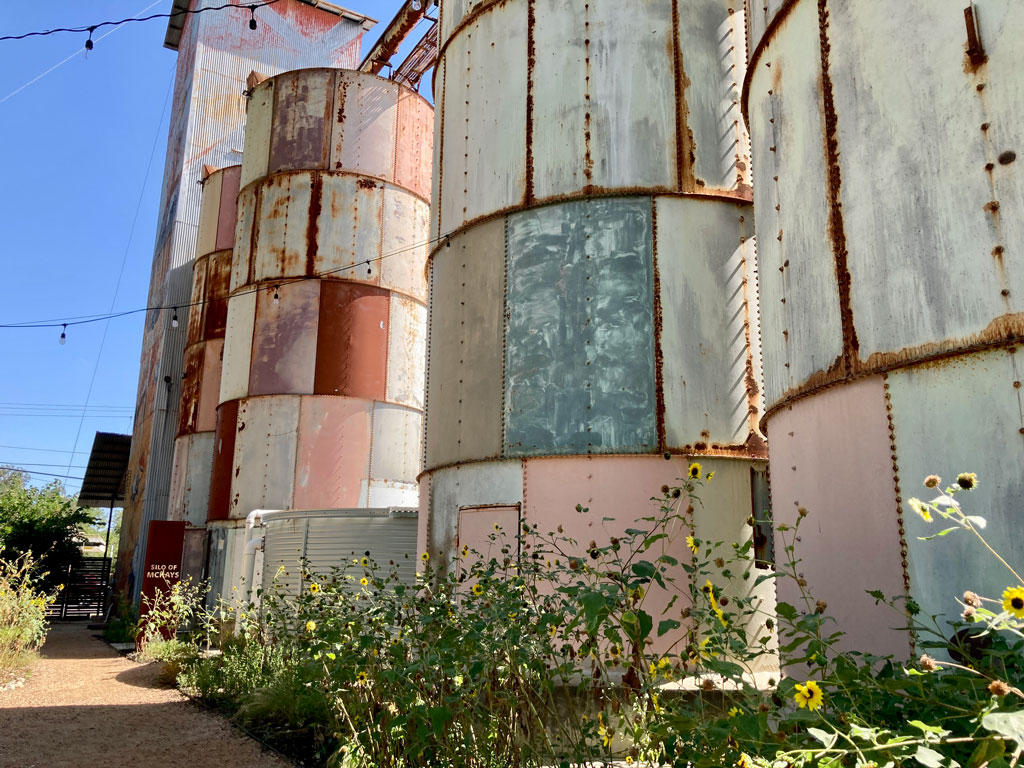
[[252, 19], [276, 297], [63, 335], [88, 43], [416, 5], [174, 318]]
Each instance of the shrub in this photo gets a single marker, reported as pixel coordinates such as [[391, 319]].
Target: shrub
[[23, 607]]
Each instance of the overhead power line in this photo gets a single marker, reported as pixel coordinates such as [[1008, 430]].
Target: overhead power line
[[44, 450], [251, 7]]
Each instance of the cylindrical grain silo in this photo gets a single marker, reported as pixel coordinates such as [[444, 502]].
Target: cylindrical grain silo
[[591, 279], [206, 317], [889, 215], [321, 394]]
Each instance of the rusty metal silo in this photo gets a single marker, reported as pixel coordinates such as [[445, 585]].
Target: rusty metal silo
[[889, 210], [321, 394], [591, 276], [206, 317]]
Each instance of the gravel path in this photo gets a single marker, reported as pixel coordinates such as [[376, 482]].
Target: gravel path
[[85, 706]]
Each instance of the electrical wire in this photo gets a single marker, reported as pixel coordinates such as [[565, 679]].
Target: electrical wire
[[271, 283], [183, 12], [47, 474], [44, 450]]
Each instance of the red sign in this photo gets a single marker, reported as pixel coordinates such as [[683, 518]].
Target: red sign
[[163, 560]]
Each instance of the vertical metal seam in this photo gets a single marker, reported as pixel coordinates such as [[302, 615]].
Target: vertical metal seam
[[833, 186], [749, 277], [531, 60], [369, 458], [659, 356], [397, 127], [505, 320], [439, 115], [912, 635], [426, 373]]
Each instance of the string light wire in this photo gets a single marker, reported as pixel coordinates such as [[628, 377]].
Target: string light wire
[[89, 29]]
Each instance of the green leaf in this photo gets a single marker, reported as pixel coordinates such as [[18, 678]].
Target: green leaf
[[644, 569], [651, 539], [646, 625], [786, 611], [986, 751], [439, 717], [1008, 724], [667, 625], [928, 728], [931, 759], [668, 559]]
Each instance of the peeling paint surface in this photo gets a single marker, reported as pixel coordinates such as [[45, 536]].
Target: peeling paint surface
[[300, 130], [579, 362], [406, 352], [351, 357], [284, 340], [264, 461]]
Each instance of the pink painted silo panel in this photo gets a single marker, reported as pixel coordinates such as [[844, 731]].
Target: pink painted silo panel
[[333, 454]]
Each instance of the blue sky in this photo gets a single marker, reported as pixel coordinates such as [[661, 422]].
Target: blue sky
[[81, 150]]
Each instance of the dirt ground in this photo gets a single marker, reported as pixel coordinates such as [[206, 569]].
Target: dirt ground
[[84, 706]]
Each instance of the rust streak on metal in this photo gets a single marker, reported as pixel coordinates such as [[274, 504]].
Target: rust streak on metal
[[316, 189], [659, 357], [685, 157], [833, 182], [531, 62], [755, 56], [273, 178], [974, 55], [588, 157], [1006, 330]]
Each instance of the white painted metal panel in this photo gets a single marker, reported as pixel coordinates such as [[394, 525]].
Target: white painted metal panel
[[283, 226], [179, 469], [364, 141], [209, 213], [349, 228], [795, 255], [197, 481], [234, 378], [407, 350], [264, 454], [712, 43], [396, 443], [259, 115], [485, 132], [404, 243], [914, 188], [703, 314], [241, 255], [391, 493], [580, 72]]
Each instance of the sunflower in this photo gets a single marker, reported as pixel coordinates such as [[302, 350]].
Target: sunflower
[[692, 544], [809, 695], [314, 588], [921, 508], [733, 712], [1013, 601], [478, 589], [710, 476], [425, 557], [364, 562], [310, 626], [694, 471], [744, 761], [967, 480], [465, 550], [361, 679], [364, 581]]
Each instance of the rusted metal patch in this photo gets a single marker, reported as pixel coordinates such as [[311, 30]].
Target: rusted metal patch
[[414, 143], [223, 461], [188, 412], [333, 452], [228, 206], [209, 212], [300, 131], [209, 385], [659, 355], [198, 301], [351, 345], [365, 140], [284, 340], [218, 286]]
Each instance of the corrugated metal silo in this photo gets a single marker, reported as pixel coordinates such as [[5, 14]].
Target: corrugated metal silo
[[204, 348], [889, 214], [321, 394], [593, 292]]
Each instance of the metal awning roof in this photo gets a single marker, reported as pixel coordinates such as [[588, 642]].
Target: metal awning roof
[[104, 475], [176, 23]]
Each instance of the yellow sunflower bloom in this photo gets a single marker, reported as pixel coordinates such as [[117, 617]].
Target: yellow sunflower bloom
[[692, 544], [809, 695], [364, 562], [425, 556], [310, 626], [921, 508], [967, 480], [314, 588], [364, 581], [743, 762], [478, 589], [1013, 601], [694, 471], [709, 476]]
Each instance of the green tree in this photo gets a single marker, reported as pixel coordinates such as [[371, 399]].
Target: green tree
[[44, 521]]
